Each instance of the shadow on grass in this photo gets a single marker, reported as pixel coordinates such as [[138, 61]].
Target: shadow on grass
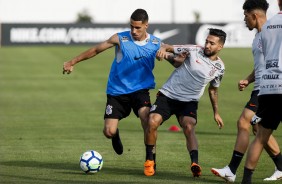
[[36, 164], [109, 174]]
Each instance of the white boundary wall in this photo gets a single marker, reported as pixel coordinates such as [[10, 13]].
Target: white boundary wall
[[119, 11]]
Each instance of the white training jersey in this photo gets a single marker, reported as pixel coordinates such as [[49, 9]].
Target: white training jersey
[[271, 37], [258, 60], [188, 81]]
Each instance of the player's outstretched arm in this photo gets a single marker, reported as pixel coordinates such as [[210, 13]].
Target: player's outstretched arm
[[213, 94], [175, 60], [163, 51], [92, 52]]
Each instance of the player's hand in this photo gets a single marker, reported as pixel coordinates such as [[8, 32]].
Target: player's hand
[[161, 54], [184, 54], [219, 121], [67, 68], [242, 84], [181, 57]]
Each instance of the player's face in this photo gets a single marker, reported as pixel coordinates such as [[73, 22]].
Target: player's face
[[250, 20], [138, 29], [212, 45]]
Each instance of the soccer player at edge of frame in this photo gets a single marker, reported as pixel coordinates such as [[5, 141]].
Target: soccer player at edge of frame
[[131, 75], [270, 93], [254, 17], [180, 94]]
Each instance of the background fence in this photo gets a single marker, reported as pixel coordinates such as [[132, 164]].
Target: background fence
[[88, 34]]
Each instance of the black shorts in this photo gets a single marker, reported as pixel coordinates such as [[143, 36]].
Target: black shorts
[[119, 107], [252, 104], [269, 110], [166, 107]]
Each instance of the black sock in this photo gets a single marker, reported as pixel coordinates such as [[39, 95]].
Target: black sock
[[247, 177], [149, 152], [235, 161], [194, 156], [277, 159], [154, 156]]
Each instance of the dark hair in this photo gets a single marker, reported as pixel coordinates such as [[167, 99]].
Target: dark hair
[[140, 15], [250, 5], [219, 33]]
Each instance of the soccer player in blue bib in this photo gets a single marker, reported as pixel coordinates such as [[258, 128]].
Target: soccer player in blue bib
[[131, 75]]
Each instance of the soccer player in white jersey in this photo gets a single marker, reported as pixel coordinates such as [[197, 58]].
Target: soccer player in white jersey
[[255, 17], [270, 94], [182, 91]]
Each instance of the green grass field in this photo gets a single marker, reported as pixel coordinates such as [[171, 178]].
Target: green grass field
[[47, 120]]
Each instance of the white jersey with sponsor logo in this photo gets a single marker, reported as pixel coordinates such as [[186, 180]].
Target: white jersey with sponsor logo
[[258, 60], [271, 37], [188, 82]]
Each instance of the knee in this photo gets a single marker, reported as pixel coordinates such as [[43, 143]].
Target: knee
[[143, 114], [109, 133], [189, 127], [153, 123], [243, 125]]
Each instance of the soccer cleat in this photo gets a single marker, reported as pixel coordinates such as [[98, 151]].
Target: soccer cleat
[[224, 173], [149, 168], [116, 143], [277, 175], [196, 170]]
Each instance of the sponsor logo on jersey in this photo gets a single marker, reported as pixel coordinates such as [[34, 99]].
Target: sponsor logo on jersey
[[183, 49], [218, 78], [124, 39], [271, 86], [155, 41], [270, 76], [279, 26], [272, 63], [201, 52], [212, 72], [218, 65], [259, 45], [137, 58]]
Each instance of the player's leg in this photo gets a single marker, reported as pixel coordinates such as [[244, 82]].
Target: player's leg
[[155, 121], [188, 125], [111, 131], [117, 107], [228, 173], [144, 118], [270, 120], [159, 112], [273, 150], [272, 146], [186, 113], [254, 153], [141, 104]]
